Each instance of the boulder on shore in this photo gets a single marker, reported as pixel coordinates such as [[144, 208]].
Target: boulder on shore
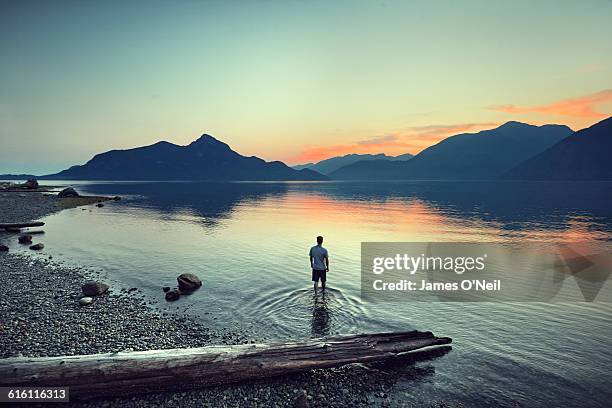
[[93, 288], [37, 247], [68, 192], [31, 184], [25, 239], [188, 282], [173, 295]]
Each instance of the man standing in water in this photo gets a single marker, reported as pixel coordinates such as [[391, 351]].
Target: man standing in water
[[319, 262]]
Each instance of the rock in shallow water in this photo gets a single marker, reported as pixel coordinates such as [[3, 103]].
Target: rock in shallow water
[[3, 248], [85, 301], [25, 239], [173, 295], [188, 282], [93, 288], [68, 192], [37, 247]]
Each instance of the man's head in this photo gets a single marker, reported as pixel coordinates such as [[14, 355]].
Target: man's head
[[319, 240]]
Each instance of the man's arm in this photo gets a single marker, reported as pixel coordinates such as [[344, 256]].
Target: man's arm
[[311, 257], [326, 263]]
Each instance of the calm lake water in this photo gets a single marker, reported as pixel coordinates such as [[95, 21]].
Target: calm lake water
[[249, 243]]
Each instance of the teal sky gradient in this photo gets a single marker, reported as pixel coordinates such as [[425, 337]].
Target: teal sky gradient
[[290, 80]]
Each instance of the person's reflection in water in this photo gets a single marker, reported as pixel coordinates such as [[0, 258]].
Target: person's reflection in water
[[321, 320]]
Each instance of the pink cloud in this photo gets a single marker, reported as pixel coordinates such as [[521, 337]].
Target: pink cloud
[[581, 107]]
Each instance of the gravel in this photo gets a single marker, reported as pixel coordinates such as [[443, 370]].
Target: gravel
[[31, 206], [27, 206], [41, 316]]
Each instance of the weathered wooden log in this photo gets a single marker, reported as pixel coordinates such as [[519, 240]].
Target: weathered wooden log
[[124, 373], [22, 225]]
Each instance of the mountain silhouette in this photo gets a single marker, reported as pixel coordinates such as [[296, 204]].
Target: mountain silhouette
[[330, 165], [204, 159], [303, 166], [16, 176], [401, 157], [584, 155], [469, 156]]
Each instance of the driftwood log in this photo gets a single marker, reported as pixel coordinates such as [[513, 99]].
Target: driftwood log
[[124, 373], [22, 225]]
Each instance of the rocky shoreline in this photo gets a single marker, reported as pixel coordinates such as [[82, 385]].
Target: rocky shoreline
[[41, 316], [29, 206]]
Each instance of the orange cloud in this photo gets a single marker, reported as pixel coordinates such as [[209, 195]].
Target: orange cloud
[[388, 143], [581, 107], [408, 140], [422, 137]]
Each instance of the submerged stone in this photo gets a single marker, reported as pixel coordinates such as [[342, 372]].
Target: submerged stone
[[188, 282], [173, 295], [25, 239]]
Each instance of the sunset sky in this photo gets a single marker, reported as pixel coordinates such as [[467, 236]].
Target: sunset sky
[[291, 80]]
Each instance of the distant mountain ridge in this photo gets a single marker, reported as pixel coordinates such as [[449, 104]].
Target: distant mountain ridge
[[16, 176], [584, 155], [203, 159], [514, 150], [483, 155], [332, 164]]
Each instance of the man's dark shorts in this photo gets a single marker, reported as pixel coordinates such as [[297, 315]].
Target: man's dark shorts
[[316, 275]]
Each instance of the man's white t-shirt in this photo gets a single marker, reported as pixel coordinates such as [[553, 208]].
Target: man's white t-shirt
[[318, 253]]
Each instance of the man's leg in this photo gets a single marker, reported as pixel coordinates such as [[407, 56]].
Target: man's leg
[[323, 279], [315, 279]]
